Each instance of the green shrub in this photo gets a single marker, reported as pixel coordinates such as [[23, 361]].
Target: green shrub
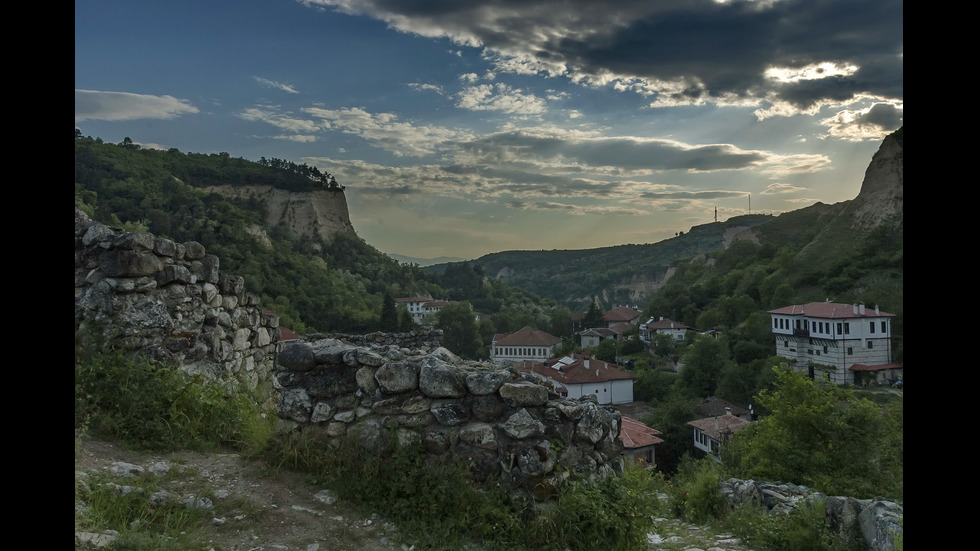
[[803, 529], [695, 491], [151, 406], [438, 505]]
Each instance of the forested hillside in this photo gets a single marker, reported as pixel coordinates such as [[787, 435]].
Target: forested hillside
[[340, 285]]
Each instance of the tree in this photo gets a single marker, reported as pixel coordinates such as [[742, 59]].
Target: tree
[[593, 318], [459, 330], [389, 315], [704, 361], [823, 436]]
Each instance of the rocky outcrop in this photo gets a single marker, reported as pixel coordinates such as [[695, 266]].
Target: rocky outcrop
[[170, 302], [877, 523], [882, 191], [505, 425], [320, 213]]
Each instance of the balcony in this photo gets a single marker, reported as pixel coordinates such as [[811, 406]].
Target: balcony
[[801, 332]]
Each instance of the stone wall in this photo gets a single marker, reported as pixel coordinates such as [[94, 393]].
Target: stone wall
[[505, 425], [875, 522], [169, 301]]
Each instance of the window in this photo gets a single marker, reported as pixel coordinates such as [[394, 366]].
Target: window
[[847, 328], [785, 344], [839, 331], [824, 349], [809, 351], [883, 328], [871, 344], [872, 328], [850, 351]]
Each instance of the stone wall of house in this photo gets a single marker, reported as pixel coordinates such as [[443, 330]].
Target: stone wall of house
[[505, 425], [169, 301]]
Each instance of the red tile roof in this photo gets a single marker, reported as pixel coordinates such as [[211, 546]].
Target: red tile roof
[[526, 336], [882, 367], [833, 310], [621, 313], [414, 299], [721, 427], [665, 323], [578, 369], [634, 434]]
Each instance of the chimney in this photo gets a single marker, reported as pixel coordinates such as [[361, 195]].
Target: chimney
[[861, 309], [728, 410], [586, 364], [877, 312], [854, 308]]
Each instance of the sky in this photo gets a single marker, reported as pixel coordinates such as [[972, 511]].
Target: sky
[[463, 128]]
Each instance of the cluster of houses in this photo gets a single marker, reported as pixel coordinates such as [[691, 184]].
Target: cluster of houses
[[851, 344]]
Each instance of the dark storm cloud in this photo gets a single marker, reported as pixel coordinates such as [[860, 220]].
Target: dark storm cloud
[[883, 115], [717, 49]]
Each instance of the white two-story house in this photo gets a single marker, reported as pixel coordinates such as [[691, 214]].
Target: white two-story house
[[576, 376], [849, 342], [526, 344], [419, 307]]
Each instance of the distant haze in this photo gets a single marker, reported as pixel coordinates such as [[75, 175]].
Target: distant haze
[[425, 261]]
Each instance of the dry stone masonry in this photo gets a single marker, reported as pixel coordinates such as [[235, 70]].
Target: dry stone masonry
[[169, 301], [506, 426]]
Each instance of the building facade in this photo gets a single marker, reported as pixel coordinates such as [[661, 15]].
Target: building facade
[[526, 344], [576, 376], [850, 343]]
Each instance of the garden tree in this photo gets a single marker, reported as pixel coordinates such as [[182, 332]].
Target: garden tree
[[459, 331], [389, 315], [703, 364], [652, 384], [561, 322], [741, 382], [670, 418], [665, 346], [606, 350], [593, 317], [405, 320], [821, 435]]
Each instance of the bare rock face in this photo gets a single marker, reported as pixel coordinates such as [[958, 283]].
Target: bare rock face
[[882, 193], [319, 212]]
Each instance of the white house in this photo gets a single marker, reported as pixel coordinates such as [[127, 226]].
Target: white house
[[576, 376], [849, 342], [675, 329], [419, 307], [524, 344], [711, 433]]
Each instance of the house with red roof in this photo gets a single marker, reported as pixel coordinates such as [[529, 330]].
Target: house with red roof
[[577, 375], [675, 329], [525, 344], [711, 433], [639, 442], [622, 314], [850, 343]]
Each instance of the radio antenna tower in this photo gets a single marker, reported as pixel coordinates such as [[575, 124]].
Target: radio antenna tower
[[750, 203], [716, 214]]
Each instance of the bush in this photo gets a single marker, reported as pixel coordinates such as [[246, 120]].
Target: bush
[[438, 505], [151, 406], [695, 491], [803, 529]]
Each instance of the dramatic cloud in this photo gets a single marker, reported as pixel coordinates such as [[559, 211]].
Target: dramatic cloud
[[800, 53], [93, 105]]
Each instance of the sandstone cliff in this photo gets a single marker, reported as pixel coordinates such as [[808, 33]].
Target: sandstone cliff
[[320, 213]]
